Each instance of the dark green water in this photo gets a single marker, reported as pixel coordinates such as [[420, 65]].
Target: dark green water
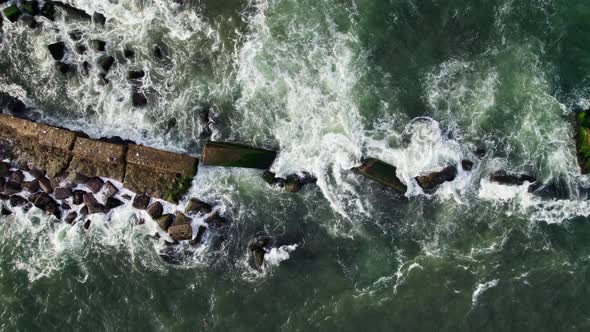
[[419, 84]]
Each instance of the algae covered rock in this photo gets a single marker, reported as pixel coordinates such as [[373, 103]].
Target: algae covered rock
[[583, 140], [383, 173]]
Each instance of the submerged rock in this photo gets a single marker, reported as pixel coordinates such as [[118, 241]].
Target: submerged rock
[[98, 18], [138, 99], [106, 62], [467, 164], [98, 45], [510, 178], [199, 238], [435, 179]]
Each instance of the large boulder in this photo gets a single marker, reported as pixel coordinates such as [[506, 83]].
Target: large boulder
[[258, 248], [435, 179], [236, 155], [57, 50], [196, 206], [510, 178], [383, 173], [180, 232]]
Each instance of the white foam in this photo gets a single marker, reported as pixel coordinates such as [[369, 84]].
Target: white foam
[[480, 289]]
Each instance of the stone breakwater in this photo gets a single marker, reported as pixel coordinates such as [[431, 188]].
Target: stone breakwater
[[71, 176]]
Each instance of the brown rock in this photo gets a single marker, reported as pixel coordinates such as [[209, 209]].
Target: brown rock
[[78, 197], [31, 186], [95, 184], [180, 232], [215, 220], [110, 189], [199, 238], [155, 210], [71, 217], [16, 176], [195, 206], [45, 185], [141, 202], [4, 169], [434, 179], [89, 199], [12, 187], [165, 221], [16, 200], [181, 219], [37, 173], [63, 193], [113, 203], [96, 208]]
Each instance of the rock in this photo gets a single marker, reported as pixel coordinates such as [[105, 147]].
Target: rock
[[78, 197], [467, 164], [434, 179], [81, 49], [96, 208], [113, 203], [12, 13], [5, 211], [181, 219], [293, 184], [98, 18], [4, 169], [11, 104], [95, 184], [63, 193], [510, 178], [126, 197], [71, 217], [12, 187], [106, 62], [155, 210], [135, 74], [29, 21], [57, 50], [84, 211], [65, 206], [480, 151], [99, 45], [180, 232], [87, 224], [383, 173], [103, 78], [48, 11], [16, 176], [199, 238], [128, 54], [36, 173], [157, 52], [44, 202], [30, 7], [236, 155], [16, 200], [258, 249], [75, 35], [215, 220], [270, 178], [30, 186], [165, 221], [77, 178], [138, 99], [45, 185], [89, 199], [195, 206], [110, 189], [141, 202], [64, 68]]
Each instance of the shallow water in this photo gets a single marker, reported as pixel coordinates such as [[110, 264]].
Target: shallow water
[[417, 84]]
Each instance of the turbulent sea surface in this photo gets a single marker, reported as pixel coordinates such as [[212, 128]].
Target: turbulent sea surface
[[418, 84]]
